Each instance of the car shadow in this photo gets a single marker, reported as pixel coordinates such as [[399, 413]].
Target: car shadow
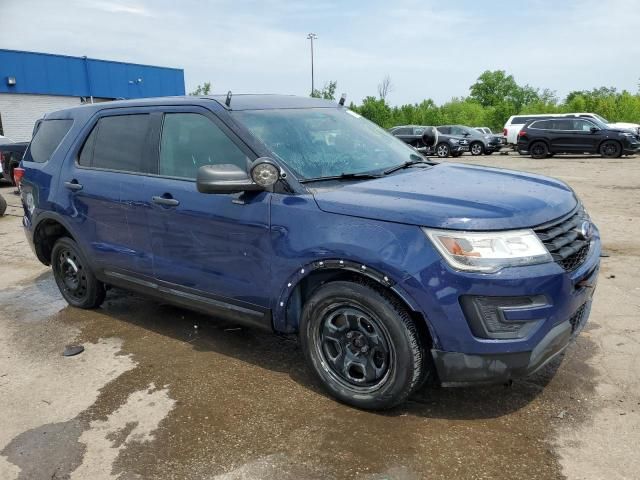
[[282, 353]]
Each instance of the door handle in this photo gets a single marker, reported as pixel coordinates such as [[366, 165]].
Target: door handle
[[73, 185], [167, 201]]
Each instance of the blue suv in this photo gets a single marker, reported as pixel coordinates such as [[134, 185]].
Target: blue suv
[[297, 215]]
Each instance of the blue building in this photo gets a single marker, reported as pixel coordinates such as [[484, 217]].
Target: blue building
[[32, 84]]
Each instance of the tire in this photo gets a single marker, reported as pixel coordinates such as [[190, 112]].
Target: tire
[[476, 148], [362, 345], [539, 150], [77, 283], [610, 149], [442, 150], [3, 205]]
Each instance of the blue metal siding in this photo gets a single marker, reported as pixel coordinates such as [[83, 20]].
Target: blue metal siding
[[47, 74]]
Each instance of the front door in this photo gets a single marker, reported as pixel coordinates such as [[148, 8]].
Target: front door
[[216, 245]]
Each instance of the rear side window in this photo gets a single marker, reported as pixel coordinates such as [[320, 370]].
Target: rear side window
[[541, 124], [118, 143], [190, 141], [47, 138]]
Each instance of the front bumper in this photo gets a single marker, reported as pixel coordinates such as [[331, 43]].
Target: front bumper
[[460, 357], [455, 368]]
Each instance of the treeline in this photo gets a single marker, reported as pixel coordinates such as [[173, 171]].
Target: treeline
[[492, 99]]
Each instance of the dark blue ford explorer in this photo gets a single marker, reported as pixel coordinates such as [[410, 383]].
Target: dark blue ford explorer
[[298, 215]]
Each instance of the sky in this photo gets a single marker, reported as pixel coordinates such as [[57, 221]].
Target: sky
[[430, 49]]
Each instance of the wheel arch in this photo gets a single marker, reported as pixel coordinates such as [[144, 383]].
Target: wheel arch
[[49, 228], [301, 285]]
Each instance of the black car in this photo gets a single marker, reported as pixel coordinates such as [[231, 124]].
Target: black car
[[10, 156], [543, 138], [479, 143], [444, 146]]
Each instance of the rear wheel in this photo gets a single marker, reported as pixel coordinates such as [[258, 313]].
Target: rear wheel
[[3, 205], [74, 277], [442, 150], [362, 345], [539, 150], [610, 149], [476, 148]]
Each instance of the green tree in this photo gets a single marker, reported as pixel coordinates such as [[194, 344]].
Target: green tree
[[204, 89], [493, 88], [328, 92]]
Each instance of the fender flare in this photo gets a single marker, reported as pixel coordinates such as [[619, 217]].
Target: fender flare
[[280, 309]]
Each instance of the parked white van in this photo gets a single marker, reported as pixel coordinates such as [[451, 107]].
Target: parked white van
[[516, 122]]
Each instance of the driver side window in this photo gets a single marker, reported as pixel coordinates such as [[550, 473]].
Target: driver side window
[[190, 141]]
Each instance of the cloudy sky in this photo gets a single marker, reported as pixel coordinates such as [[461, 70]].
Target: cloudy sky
[[431, 49]]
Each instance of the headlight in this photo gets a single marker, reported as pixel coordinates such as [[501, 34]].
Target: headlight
[[488, 251], [487, 137], [454, 141]]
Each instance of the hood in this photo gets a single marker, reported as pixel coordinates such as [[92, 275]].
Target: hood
[[448, 195]]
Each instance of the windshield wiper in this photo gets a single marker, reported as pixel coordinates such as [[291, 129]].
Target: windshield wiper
[[407, 164], [343, 176]]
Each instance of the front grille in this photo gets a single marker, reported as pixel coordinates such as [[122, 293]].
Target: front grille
[[577, 318], [564, 241]]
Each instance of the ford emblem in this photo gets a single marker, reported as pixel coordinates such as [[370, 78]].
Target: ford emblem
[[586, 230]]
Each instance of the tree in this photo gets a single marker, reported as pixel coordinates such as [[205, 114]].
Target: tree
[[385, 87], [204, 89], [493, 88], [328, 92]]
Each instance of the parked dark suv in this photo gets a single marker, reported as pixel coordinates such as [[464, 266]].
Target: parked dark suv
[[543, 138], [444, 145], [297, 215], [479, 143]]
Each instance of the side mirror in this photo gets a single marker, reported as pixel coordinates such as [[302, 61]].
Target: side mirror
[[227, 178], [594, 129]]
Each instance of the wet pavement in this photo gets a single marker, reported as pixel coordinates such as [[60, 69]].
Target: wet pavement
[[161, 392]]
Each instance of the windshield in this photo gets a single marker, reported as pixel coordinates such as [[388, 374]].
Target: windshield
[[326, 142], [602, 119]]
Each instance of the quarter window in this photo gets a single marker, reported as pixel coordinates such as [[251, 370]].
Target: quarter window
[[47, 138], [190, 141], [118, 143]]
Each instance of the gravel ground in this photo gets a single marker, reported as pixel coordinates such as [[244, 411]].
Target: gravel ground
[[164, 393]]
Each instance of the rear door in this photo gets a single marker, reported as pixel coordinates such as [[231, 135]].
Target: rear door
[[104, 179], [213, 246]]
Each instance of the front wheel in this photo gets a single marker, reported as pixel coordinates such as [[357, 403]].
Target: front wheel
[[610, 149], [74, 277], [442, 150], [476, 148], [362, 345]]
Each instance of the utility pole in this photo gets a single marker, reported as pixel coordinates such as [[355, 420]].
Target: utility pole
[[312, 37]]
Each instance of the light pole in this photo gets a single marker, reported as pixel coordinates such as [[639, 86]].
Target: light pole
[[312, 37]]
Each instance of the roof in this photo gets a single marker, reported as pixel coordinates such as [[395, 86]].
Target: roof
[[238, 102], [50, 74], [244, 101]]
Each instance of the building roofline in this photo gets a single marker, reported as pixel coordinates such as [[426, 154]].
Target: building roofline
[[89, 58]]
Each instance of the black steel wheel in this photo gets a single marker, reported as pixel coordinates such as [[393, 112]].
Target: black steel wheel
[[610, 149], [476, 148], [442, 150], [362, 345], [74, 277], [539, 150], [355, 346]]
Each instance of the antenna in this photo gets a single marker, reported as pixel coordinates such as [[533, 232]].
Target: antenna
[[343, 97], [227, 101]]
